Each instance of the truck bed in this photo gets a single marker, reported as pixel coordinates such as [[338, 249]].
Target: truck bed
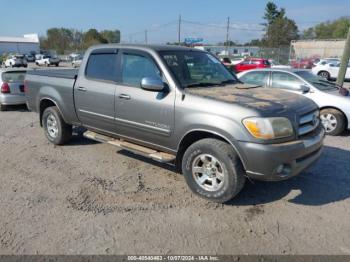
[[58, 73]]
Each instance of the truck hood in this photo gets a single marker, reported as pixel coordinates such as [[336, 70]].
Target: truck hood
[[264, 100]]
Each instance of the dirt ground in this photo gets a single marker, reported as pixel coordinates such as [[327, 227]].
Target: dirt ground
[[90, 198]]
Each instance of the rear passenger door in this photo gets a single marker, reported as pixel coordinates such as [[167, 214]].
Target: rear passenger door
[[95, 89], [140, 114]]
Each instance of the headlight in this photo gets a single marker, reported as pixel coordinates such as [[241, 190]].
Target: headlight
[[269, 128]]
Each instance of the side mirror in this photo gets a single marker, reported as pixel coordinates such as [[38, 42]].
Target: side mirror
[[152, 84], [304, 89]]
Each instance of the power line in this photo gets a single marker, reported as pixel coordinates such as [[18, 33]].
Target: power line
[[222, 27]]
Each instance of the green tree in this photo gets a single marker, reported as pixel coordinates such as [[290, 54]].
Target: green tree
[[92, 37], [254, 42], [59, 39], [308, 33], [280, 30], [112, 36], [272, 13]]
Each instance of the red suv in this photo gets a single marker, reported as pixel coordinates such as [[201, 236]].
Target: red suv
[[251, 63]]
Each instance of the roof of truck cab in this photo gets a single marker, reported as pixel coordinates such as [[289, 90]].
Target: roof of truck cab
[[147, 47]]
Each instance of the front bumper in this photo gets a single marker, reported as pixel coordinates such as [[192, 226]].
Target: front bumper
[[12, 99], [281, 161]]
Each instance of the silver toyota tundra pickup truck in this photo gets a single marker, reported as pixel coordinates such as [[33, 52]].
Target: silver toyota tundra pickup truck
[[180, 106]]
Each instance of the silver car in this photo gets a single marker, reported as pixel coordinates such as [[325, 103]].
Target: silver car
[[12, 87], [333, 101]]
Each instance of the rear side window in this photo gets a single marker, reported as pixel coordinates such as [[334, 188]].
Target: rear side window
[[12, 77], [136, 67], [102, 67], [255, 78]]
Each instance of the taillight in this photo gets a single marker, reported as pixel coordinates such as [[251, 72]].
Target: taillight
[[5, 88], [25, 86]]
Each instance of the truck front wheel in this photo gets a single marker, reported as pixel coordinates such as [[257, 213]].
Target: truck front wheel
[[213, 170], [57, 131]]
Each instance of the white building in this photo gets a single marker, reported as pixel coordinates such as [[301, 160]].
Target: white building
[[21, 45]]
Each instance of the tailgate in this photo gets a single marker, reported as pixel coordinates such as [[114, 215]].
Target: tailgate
[[17, 88]]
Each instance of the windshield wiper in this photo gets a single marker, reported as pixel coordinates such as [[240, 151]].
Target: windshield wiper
[[205, 84], [231, 81], [202, 84]]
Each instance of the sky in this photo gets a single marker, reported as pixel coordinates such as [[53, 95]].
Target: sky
[[204, 19]]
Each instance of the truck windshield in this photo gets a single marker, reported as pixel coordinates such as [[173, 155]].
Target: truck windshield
[[197, 69]]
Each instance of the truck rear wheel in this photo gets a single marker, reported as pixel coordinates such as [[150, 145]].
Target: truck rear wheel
[[213, 170], [57, 131]]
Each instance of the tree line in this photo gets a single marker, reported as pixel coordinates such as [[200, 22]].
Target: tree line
[[281, 30], [65, 39]]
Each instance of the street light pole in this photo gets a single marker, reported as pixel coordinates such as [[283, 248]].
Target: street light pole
[[179, 31], [227, 33]]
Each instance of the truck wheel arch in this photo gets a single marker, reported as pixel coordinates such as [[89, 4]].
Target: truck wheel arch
[[195, 135], [45, 103]]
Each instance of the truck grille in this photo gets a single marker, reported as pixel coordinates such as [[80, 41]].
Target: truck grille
[[308, 122]]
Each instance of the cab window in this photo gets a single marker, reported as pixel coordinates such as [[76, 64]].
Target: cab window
[[102, 66], [135, 67]]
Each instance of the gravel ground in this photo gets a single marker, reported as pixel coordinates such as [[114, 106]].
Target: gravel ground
[[89, 198]]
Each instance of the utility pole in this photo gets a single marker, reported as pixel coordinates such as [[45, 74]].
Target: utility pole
[[179, 31], [344, 61], [146, 37], [227, 33]]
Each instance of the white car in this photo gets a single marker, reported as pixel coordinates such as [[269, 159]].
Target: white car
[[324, 61], [76, 61], [12, 87], [46, 60], [333, 102], [15, 61], [329, 70]]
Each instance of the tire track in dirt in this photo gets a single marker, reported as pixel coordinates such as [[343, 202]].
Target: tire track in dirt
[[128, 194]]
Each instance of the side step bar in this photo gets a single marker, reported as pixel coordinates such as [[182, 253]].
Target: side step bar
[[137, 149]]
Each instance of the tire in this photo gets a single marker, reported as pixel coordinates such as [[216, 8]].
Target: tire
[[333, 121], [324, 74], [2, 107], [57, 131], [56, 65], [226, 162]]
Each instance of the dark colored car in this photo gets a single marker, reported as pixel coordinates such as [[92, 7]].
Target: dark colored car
[[30, 58]]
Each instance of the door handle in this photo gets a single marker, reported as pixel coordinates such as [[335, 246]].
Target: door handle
[[124, 96], [83, 89]]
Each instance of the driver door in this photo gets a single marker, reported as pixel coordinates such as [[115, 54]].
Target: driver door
[[139, 114]]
